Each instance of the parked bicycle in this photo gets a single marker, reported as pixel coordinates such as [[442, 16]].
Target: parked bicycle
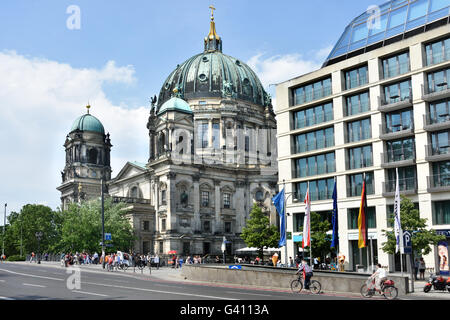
[[298, 284], [388, 289]]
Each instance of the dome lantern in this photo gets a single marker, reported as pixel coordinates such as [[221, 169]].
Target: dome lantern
[[213, 41]]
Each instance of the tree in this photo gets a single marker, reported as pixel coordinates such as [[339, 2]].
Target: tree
[[82, 227], [422, 239], [259, 233], [320, 240]]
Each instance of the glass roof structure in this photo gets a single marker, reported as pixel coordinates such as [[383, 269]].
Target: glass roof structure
[[389, 20]]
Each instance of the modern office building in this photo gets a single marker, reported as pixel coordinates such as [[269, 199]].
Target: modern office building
[[380, 101]]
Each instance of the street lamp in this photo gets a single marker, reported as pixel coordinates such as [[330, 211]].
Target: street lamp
[[285, 218], [103, 224], [39, 237], [3, 233]]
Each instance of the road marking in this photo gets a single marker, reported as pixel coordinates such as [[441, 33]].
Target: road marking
[[251, 294], [34, 285], [91, 293], [6, 298], [32, 275], [2, 280]]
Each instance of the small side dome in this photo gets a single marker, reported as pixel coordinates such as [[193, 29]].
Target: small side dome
[[175, 104], [88, 122]]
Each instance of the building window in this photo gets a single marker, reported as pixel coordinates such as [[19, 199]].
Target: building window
[[227, 200], [314, 140], [205, 199], [439, 112], [318, 189], [400, 150], [227, 227], [397, 92], [317, 165], [163, 198], [359, 130], [355, 184], [134, 193], [203, 134], [146, 226], [438, 81], [313, 116], [206, 226], [399, 121], [206, 248], [358, 103], [438, 51], [216, 135], [356, 77], [360, 157], [186, 248], [407, 178], [161, 247], [396, 65], [441, 174], [163, 225], [314, 91], [440, 143], [352, 218], [441, 212], [298, 222]]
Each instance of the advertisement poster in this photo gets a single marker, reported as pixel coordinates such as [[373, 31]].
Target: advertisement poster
[[443, 258]]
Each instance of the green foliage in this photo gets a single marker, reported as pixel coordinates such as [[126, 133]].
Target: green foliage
[[16, 258], [259, 233], [422, 238], [320, 241]]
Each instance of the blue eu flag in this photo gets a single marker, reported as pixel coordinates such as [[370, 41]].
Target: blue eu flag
[[334, 219], [278, 202]]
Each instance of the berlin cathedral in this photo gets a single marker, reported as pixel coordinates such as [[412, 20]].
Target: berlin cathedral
[[212, 155]]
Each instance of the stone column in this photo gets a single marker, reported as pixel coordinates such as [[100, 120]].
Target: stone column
[[171, 221], [197, 220], [218, 203]]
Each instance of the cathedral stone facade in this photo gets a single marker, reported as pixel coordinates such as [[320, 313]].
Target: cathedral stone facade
[[212, 154]]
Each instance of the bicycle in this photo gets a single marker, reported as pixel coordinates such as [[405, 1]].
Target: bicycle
[[388, 290], [297, 285]]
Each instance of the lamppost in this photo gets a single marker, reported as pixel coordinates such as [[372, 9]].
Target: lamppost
[[289, 194], [103, 224], [39, 237], [224, 248], [3, 233]]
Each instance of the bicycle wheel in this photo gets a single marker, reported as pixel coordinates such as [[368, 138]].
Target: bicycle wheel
[[390, 293], [365, 292], [315, 287], [296, 286]]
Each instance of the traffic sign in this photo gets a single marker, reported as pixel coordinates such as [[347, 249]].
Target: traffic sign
[[108, 236], [407, 243], [235, 267]]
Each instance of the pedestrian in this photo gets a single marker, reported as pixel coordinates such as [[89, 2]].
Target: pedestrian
[[156, 261], [416, 268], [422, 268], [275, 259], [32, 257], [291, 262]]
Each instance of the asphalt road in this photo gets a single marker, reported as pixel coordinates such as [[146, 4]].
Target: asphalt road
[[42, 282]]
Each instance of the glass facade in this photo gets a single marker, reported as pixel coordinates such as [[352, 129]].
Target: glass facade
[[318, 189], [359, 130], [355, 183], [311, 92], [317, 165], [439, 111], [406, 179], [314, 140], [441, 212], [352, 218], [397, 92], [400, 150], [438, 80], [356, 77], [358, 103], [438, 51], [399, 121], [396, 65], [440, 143], [393, 18], [360, 157], [441, 174], [313, 116]]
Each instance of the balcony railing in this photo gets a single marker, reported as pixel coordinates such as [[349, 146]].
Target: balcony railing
[[406, 185], [439, 182], [388, 159], [356, 191], [396, 70], [313, 120], [396, 131], [436, 90], [130, 200], [395, 102], [313, 95], [439, 122], [437, 153]]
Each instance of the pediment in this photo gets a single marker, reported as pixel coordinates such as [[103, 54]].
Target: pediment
[[130, 170]]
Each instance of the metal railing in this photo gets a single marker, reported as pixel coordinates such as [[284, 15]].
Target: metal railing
[[130, 200], [390, 157], [313, 120], [312, 95], [433, 150], [441, 86], [384, 129], [439, 180], [406, 184], [395, 99]]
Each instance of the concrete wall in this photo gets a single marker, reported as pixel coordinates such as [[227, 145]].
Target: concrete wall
[[270, 277]]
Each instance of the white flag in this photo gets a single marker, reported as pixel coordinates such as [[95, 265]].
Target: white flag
[[397, 223], [306, 241]]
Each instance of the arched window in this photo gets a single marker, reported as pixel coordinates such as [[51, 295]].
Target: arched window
[[92, 156], [134, 193]]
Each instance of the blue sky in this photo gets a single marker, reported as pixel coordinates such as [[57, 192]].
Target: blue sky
[[120, 56]]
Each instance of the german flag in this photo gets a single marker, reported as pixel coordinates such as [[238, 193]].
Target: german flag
[[362, 218]]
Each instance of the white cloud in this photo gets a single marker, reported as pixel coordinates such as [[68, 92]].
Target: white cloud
[[39, 100]]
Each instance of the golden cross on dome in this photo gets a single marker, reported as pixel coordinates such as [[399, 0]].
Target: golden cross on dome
[[212, 11], [88, 107]]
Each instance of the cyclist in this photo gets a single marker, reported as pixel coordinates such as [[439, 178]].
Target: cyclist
[[308, 273], [380, 276]]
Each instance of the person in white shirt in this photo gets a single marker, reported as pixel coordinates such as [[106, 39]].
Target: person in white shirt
[[379, 275]]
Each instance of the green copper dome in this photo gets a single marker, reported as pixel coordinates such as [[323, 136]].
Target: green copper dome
[[88, 122], [175, 104]]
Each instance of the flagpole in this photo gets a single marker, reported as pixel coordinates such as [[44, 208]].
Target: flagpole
[[309, 231], [285, 225]]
